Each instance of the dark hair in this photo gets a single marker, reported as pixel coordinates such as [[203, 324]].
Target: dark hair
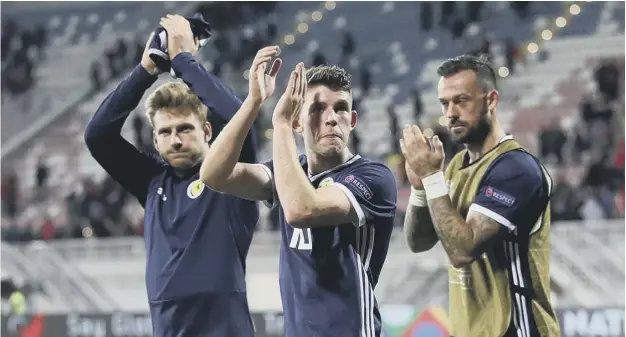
[[335, 78], [479, 65]]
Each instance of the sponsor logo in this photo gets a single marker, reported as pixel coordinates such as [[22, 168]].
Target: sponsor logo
[[499, 196], [360, 186]]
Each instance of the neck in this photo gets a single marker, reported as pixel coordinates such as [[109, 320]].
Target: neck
[[318, 163], [478, 150]]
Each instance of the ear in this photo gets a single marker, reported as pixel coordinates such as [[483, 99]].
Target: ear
[[493, 98], [353, 119], [208, 132]]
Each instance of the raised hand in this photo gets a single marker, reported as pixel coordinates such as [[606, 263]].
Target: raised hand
[[288, 107], [421, 158], [146, 61], [180, 38], [261, 85]]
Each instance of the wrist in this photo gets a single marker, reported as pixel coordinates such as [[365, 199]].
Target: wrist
[[151, 69], [435, 185], [281, 123], [252, 103], [418, 198]]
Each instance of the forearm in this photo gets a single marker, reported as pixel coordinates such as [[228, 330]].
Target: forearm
[[217, 96], [108, 120], [456, 236], [418, 229], [213, 93], [292, 185], [224, 153]]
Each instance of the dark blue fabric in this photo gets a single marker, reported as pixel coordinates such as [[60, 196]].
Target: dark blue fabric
[[158, 46]]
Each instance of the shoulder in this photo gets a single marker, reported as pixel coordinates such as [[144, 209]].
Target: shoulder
[[372, 174], [516, 164]]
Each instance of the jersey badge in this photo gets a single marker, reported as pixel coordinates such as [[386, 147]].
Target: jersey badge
[[325, 182], [194, 189]]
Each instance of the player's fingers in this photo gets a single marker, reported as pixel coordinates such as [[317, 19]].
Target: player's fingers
[[296, 84], [408, 136], [419, 136], [260, 61], [275, 67], [302, 81], [403, 149], [438, 145], [272, 51], [291, 83]]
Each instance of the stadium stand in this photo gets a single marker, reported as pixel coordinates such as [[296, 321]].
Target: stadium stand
[[552, 85]]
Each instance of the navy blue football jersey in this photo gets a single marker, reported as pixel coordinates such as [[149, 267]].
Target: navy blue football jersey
[[328, 274], [196, 239]]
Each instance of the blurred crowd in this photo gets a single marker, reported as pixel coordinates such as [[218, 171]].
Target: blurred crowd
[[104, 209], [21, 50]]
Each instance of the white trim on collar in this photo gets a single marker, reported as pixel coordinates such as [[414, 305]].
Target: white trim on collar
[[350, 161]]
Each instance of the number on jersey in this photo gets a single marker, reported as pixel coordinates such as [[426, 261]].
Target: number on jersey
[[301, 239]]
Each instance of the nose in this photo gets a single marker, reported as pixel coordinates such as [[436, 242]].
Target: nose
[[331, 118], [451, 111], [177, 143]]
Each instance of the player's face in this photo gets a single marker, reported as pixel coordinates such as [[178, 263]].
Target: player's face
[[326, 120], [465, 106], [180, 137]]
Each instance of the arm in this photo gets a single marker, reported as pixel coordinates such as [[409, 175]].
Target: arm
[[512, 189], [248, 181], [419, 230], [120, 159], [220, 169], [219, 98], [368, 192]]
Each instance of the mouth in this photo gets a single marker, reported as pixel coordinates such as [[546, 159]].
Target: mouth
[[332, 136], [179, 154], [456, 128]]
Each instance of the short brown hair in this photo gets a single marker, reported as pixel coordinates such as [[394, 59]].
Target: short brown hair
[[173, 95], [335, 78], [479, 65]]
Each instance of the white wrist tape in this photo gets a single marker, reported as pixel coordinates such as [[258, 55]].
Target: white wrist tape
[[418, 198], [435, 186]]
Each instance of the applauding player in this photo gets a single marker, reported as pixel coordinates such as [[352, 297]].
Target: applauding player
[[490, 211], [336, 208], [196, 239]]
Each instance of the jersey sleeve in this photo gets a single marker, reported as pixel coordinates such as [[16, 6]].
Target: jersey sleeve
[[268, 166], [511, 188], [372, 191]]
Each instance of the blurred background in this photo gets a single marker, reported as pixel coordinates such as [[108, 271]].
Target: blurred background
[[72, 255]]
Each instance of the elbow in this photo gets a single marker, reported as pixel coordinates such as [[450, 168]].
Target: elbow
[[297, 218], [211, 181], [420, 246], [91, 138]]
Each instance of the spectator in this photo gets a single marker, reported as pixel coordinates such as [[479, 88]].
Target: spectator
[[394, 128], [347, 48], [566, 200], [552, 140], [318, 59], [366, 79], [418, 107], [426, 16]]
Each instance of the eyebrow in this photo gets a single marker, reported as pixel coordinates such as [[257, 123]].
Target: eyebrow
[[463, 95], [178, 127]]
